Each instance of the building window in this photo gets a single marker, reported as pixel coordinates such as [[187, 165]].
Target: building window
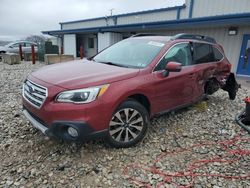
[[91, 43]]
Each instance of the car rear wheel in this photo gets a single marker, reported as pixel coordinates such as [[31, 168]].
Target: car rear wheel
[[128, 125]]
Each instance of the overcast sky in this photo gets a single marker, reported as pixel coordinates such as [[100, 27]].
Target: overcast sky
[[20, 18]]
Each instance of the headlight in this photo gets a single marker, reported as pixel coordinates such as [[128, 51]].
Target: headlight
[[82, 95]]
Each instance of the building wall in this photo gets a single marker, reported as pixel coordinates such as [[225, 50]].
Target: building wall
[[152, 17], [107, 39], [85, 24], [184, 13], [69, 44], [130, 19], [204, 8], [161, 15], [201, 8]]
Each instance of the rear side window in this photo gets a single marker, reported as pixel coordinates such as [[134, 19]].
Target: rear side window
[[217, 54], [203, 53]]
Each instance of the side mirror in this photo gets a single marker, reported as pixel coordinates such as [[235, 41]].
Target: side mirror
[[173, 67]]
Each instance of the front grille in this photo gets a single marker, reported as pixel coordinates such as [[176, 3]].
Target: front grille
[[34, 93]]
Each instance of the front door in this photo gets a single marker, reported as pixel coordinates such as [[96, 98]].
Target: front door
[[244, 60], [178, 88]]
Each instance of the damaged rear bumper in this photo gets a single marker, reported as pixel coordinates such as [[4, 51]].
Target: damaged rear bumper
[[231, 86]]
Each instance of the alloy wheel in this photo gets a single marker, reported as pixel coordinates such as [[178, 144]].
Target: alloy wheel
[[126, 125]]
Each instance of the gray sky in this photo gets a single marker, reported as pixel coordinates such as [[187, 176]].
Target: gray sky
[[20, 18]]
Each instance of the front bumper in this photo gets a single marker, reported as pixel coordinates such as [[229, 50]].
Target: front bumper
[[34, 122], [58, 129]]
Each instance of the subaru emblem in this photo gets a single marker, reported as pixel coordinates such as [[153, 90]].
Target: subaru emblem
[[31, 89]]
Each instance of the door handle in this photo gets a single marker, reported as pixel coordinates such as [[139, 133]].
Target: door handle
[[191, 75]]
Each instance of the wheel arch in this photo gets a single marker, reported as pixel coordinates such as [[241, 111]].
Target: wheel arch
[[142, 99], [116, 137], [211, 85]]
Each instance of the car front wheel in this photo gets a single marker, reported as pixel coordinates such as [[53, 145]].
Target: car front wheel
[[128, 125]]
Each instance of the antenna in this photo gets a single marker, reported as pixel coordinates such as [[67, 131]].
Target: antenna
[[111, 11], [106, 19]]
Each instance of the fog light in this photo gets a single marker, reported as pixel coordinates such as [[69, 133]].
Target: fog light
[[72, 132]]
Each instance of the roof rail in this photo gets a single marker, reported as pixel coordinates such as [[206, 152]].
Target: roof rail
[[192, 36], [144, 35]]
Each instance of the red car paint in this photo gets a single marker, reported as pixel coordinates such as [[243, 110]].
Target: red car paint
[[247, 100], [163, 93]]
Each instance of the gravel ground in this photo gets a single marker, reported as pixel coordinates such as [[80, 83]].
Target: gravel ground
[[200, 146]]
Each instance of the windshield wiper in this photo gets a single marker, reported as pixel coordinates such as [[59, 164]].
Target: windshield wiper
[[111, 63]]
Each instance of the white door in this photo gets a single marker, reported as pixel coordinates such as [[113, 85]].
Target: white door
[[90, 47]]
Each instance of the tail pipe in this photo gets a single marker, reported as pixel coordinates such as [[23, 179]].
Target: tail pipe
[[243, 118]]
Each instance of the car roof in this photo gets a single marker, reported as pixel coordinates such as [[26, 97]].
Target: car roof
[[178, 37], [20, 41], [163, 39]]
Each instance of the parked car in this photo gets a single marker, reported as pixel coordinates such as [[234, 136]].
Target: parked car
[[114, 94], [14, 47]]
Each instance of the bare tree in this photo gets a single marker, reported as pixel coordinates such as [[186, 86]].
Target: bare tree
[[39, 39]]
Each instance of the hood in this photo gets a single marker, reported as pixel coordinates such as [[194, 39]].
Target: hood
[[81, 74]]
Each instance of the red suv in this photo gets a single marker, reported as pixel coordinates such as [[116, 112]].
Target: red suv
[[114, 94]]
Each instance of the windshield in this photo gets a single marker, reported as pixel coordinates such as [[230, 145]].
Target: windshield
[[134, 53]]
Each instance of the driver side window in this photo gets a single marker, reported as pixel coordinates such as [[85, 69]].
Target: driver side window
[[180, 53]]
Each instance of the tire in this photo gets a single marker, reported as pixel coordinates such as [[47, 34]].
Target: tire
[[128, 125], [211, 86]]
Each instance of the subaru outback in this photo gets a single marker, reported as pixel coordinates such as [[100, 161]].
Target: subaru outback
[[114, 94]]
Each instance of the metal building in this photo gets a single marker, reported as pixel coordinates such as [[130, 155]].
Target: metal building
[[228, 21]]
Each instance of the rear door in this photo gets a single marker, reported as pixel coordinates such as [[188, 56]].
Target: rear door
[[178, 88], [207, 62]]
